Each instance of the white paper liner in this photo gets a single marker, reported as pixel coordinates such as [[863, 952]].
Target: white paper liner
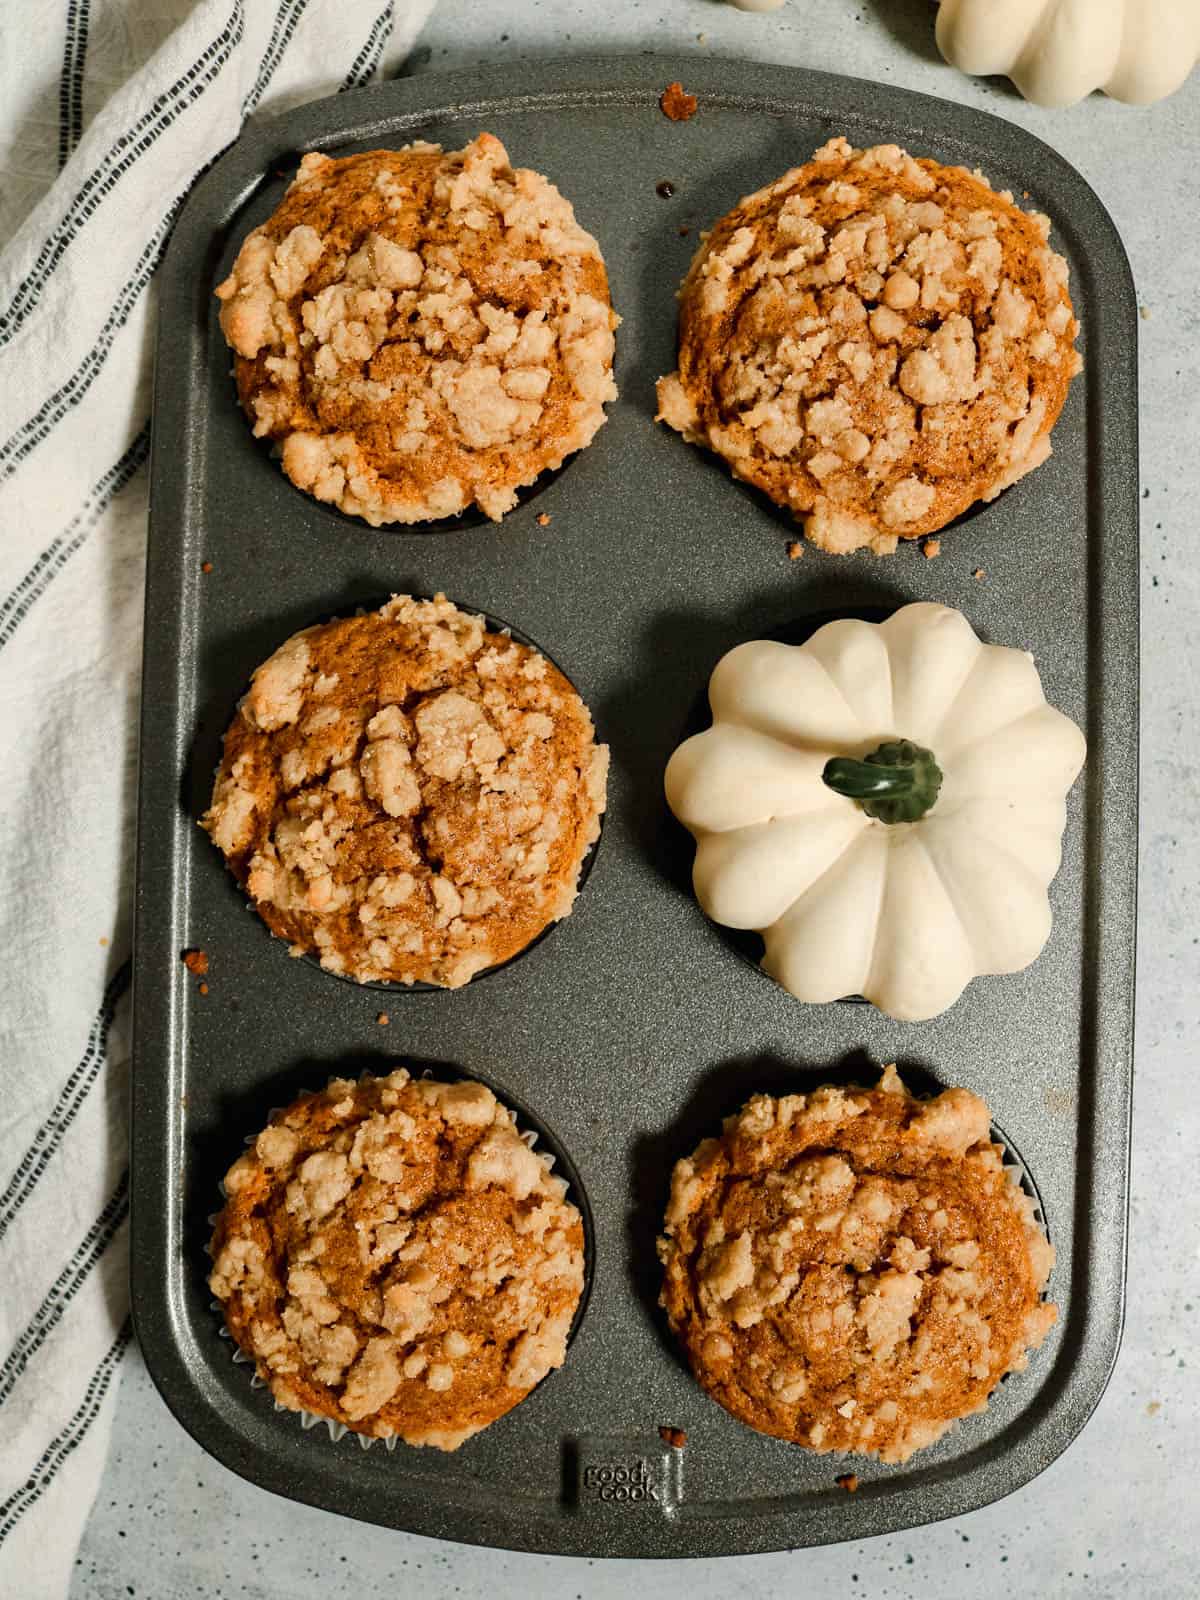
[[1014, 1163], [310, 1419]]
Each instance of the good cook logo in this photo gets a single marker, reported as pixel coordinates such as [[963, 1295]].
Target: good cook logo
[[624, 1483]]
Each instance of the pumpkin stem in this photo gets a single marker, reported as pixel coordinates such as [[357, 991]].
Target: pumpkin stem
[[899, 782]]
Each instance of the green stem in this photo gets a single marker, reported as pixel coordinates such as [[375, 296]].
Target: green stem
[[898, 782]]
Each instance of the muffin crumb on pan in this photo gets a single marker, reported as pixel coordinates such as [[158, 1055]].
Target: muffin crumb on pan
[[407, 795], [854, 1269], [420, 330], [676, 104], [876, 342], [395, 1257]]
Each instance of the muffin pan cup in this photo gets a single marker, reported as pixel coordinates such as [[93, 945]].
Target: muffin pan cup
[[637, 1027], [493, 625], [539, 1139]]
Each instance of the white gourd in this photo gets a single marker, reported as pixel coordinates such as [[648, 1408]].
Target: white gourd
[[904, 913], [1058, 51]]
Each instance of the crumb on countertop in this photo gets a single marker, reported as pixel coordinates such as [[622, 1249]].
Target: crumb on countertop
[[795, 549], [979, 574], [675, 1437], [544, 520], [196, 961], [847, 1481], [203, 988], [684, 231], [676, 103], [383, 1019], [206, 567], [931, 548]]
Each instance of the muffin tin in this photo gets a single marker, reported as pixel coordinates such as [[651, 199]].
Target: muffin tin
[[627, 1036]]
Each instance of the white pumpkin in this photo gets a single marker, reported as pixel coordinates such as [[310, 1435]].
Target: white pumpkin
[[905, 913], [1057, 51]]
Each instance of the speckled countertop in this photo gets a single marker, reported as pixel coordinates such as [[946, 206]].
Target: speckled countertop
[[1115, 1515]]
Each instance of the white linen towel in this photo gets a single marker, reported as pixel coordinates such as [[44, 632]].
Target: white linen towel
[[110, 109]]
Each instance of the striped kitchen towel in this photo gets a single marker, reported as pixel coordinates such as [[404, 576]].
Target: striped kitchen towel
[[108, 111]]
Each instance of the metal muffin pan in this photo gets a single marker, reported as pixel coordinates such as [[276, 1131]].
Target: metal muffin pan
[[630, 1033]]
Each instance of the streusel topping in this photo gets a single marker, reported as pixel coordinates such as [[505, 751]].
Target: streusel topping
[[876, 342], [394, 1255], [421, 330], [407, 795], [854, 1269]]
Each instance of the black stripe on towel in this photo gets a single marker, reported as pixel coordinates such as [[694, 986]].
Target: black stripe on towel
[[37, 428], [70, 87], [74, 1092], [366, 62], [121, 158], [66, 1286], [60, 550], [286, 18], [31, 434], [68, 1439]]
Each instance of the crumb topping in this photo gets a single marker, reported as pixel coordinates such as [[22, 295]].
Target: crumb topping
[[876, 342], [854, 1269], [407, 795], [394, 1255], [676, 104], [421, 330]]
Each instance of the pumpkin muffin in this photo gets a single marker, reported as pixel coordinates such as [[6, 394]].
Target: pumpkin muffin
[[876, 342], [407, 795], [394, 1256], [421, 330], [854, 1269]]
